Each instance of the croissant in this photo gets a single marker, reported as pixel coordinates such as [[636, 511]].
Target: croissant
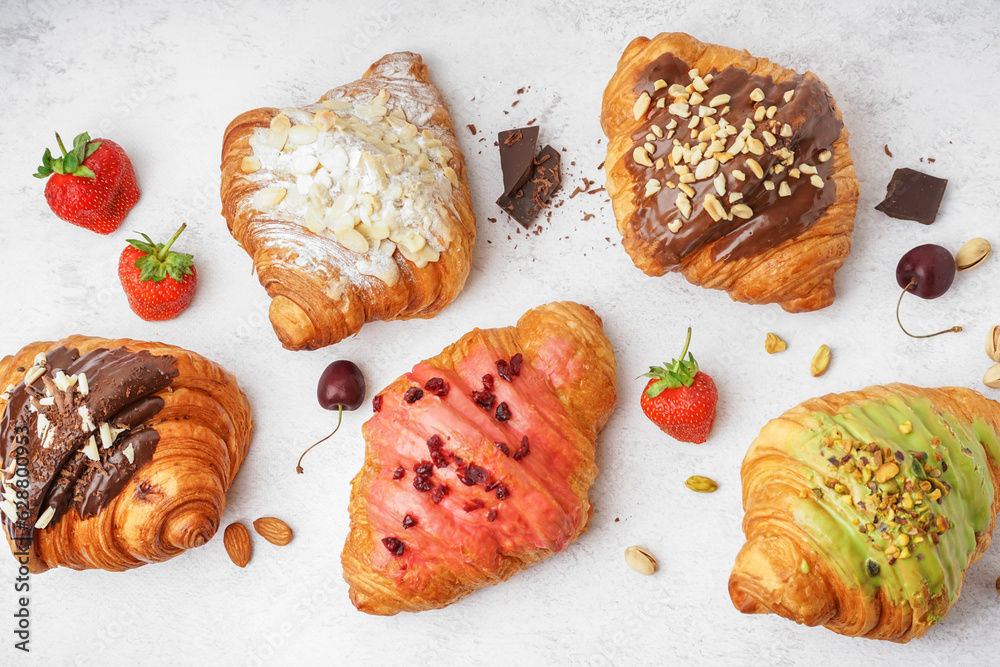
[[730, 169], [115, 453], [479, 461], [864, 509], [355, 208]]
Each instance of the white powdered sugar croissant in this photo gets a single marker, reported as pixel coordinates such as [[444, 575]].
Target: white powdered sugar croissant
[[355, 208]]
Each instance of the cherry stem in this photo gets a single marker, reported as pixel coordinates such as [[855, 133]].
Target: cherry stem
[[913, 283], [340, 417], [162, 255]]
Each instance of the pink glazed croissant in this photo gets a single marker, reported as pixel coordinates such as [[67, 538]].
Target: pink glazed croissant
[[479, 461]]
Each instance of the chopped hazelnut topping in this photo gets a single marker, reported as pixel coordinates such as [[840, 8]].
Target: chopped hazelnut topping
[[652, 187], [641, 156], [807, 168], [755, 167], [695, 98], [757, 95], [657, 130], [700, 84], [686, 189], [794, 173], [768, 185], [771, 111], [660, 103], [784, 190], [714, 207], [786, 130], [755, 146], [789, 94], [675, 226], [658, 84], [742, 211], [816, 180], [739, 175], [824, 156], [683, 205], [641, 106], [720, 183], [769, 138], [679, 109]]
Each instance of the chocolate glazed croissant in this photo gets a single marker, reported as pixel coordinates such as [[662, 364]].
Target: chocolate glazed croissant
[[730, 169], [479, 461], [864, 509], [354, 209], [115, 453]]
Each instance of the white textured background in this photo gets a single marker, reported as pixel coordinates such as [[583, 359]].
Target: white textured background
[[164, 80]]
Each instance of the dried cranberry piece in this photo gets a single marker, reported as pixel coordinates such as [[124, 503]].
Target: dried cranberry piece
[[394, 545], [515, 363], [377, 403], [409, 522], [439, 493], [504, 370], [491, 515], [462, 472], [521, 453], [488, 382], [484, 398], [503, 448], [398, 473], [478, 474], [413, 394], [457, 459], [503, 493], [438, 387], [422, 483], [424, 468], [439, 460], [474, 505], [492, 485], [434, 443], [503, 412]]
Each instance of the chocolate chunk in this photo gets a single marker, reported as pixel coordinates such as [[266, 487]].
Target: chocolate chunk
[[517, 150], [913, 195], [527, 202]]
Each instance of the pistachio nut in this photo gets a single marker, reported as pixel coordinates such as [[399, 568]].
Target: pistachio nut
[[820, 361], [701, 484], [640, 560], [993, 343], [773, 344], [972, 254], [992, 377]]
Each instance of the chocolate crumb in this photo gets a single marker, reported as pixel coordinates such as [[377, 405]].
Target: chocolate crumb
[[472, 128], [887, 151]]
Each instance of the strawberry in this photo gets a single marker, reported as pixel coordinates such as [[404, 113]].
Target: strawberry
[[93, 186], [158, 282], [680, 399]]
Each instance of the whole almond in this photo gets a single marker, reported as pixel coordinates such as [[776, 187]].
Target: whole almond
[[237, 541], [273, 530]]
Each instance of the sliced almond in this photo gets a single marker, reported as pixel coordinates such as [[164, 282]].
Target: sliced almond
[[641, 106], [249, 164], [352, 240], [269, 197], [277, 135]]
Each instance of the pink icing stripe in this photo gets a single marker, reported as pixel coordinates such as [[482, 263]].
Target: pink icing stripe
[[541, 511]]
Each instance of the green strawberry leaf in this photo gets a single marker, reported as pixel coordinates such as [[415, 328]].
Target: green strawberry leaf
[[678, 373], [70, 163], [92, 147], [159, 262], [85, 172]]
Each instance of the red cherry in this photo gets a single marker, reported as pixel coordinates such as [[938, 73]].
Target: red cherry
[[927, 271], [341, 387]]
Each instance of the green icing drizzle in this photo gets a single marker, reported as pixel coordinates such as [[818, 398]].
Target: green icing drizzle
[[940, 454]]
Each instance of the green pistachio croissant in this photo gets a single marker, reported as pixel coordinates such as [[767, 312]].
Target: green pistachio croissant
[[864, 509]]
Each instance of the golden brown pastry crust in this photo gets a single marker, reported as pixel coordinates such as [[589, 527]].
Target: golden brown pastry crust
[[204, 438], [798, 273], [589, 401], [767, 577], [315, 307]]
